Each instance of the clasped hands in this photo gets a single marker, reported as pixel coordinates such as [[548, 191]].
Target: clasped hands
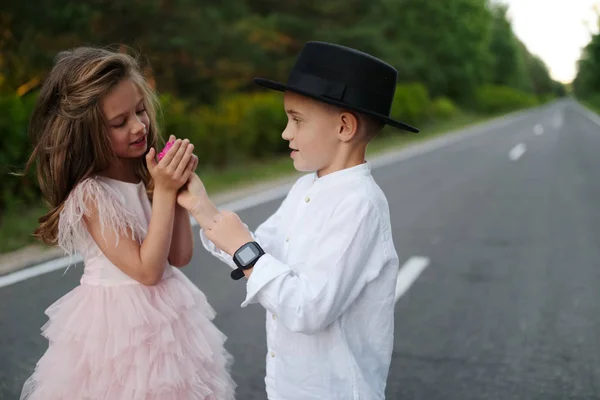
[[224, 228]]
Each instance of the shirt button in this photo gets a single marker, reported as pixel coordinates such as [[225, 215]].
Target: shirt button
[[287, 239], [307, 199], [274, 317], [272, 354]]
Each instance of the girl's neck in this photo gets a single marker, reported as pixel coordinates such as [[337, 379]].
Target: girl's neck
[[124, 171]]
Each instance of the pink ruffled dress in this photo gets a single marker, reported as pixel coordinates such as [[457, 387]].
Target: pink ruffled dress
[[112, 338]]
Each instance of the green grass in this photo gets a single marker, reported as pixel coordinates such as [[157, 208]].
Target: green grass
[[393, 141], [17, 227], [240, 175], [592, 106]]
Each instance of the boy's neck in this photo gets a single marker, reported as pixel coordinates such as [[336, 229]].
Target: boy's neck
[[344, 160]]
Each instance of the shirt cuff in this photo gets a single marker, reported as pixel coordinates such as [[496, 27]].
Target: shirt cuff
[[220, 254], [266, 269]]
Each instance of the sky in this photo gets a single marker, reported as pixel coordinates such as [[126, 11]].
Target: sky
[[555, 30]]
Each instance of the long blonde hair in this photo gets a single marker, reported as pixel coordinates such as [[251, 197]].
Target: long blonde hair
[[68, 130]]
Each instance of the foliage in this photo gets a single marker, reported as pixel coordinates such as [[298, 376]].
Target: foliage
[[202, 57]]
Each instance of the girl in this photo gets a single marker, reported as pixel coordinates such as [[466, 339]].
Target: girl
[[136, 328]]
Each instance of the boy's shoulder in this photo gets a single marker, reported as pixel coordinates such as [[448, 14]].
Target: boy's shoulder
[[359, 189]]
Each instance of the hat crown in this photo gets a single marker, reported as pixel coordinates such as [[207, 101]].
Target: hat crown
[[359, 71], [347, 65]]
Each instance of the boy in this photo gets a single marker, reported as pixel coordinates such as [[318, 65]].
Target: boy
[[324, 265]]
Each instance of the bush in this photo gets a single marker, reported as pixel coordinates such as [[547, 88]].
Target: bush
[[497, 99], [181, 120], [593, 102], [239, 126], [14, 150], [546, 98], [411, 104], [443, 108]]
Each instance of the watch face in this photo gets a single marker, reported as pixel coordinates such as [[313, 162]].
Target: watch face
[[247, 254]]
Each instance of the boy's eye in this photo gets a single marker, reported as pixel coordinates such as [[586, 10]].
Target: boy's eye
[[296, 120]]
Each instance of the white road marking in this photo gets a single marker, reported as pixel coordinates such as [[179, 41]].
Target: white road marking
[[517, 152], [39, 269], [409, 273], [538, 129], [558, 121]]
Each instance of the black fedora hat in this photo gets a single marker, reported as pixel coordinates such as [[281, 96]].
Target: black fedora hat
[[343, 77]]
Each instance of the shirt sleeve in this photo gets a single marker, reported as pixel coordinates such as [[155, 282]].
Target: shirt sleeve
[[215, 251], [265, 235], [350, 254]]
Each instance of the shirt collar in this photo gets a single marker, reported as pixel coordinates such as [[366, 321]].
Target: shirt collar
[[343, 175]]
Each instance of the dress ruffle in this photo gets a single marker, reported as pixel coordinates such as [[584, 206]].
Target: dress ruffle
[[132, 342]]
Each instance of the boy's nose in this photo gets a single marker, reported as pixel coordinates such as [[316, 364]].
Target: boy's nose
[[286, 134]]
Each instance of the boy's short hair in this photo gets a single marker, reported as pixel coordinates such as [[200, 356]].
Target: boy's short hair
[[368, 126]]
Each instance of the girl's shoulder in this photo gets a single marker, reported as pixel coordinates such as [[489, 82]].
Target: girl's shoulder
[[92, 188], [95, 195]]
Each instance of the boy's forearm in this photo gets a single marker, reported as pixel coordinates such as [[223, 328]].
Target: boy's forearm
[[204, 211]]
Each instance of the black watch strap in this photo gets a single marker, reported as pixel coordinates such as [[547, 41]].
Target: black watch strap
[[237, 274]]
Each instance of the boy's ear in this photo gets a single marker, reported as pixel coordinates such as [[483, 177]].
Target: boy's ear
[[348, 126]]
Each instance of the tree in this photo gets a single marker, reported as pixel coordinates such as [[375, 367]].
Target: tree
[[587, 80], [509, 66], [444, 44]]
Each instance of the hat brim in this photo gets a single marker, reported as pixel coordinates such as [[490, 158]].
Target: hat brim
[[269, 84]]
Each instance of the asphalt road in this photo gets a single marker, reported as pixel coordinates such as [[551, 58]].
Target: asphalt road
[[509, 305]]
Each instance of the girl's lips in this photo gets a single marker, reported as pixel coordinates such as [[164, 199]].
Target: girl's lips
[[140, 142]]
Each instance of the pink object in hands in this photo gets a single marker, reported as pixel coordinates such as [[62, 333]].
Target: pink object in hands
[[165, 150]]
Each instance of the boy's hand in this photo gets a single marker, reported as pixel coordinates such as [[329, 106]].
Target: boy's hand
[[227, 232], [192, 193]]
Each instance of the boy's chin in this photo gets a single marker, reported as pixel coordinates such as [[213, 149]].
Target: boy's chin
[[300, 167]]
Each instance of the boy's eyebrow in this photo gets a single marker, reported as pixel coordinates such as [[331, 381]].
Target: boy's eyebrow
[[141, 100], [293, 112]]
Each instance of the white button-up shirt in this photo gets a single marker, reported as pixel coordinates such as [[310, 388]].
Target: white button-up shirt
[[327, 281]]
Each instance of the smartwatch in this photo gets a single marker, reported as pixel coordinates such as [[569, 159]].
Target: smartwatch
[[245, 258]]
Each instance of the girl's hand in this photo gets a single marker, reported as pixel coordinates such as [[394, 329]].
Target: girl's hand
[[174, 170]]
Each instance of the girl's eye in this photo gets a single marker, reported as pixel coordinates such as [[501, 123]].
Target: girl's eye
[[296, 120], [122, 124]]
